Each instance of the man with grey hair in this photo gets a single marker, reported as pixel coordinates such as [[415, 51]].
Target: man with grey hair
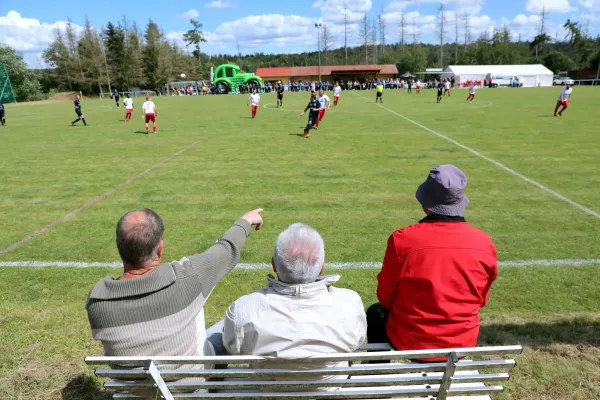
[[436, 274], [300, 314], [156, 308]]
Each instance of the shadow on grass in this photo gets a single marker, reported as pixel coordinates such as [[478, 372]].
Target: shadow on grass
[[84, 387], [535, 334]]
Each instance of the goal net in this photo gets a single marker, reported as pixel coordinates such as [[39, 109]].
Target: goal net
[[6, 92]]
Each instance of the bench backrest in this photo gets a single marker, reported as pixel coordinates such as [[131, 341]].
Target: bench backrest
[[139, 376]]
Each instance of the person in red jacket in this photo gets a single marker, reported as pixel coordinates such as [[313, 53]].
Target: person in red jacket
[[436, 274]]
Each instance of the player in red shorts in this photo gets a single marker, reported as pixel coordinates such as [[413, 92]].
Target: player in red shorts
[[336, 93], [472, 93], [149, 113], [255, 100], [128, 102], [324, 104], [563, 100]]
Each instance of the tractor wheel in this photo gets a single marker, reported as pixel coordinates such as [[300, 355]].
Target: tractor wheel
[[252, 84], [222, 88]]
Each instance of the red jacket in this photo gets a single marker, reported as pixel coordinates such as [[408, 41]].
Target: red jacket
[[435, 277]]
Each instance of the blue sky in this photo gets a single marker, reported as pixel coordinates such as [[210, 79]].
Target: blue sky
[[286, 26]]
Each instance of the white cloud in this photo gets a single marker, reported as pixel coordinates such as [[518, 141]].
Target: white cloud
[[28, 35], [221, 4], [190, 14], [591, 5], [550, 6], [471, 7]]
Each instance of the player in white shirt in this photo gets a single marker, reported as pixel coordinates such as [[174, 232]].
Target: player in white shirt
[[418, 86], [324, 104], [447, 88], [563, 100], [149, 113], [472, 93], [128, 103], [255, 100], [336, 93]]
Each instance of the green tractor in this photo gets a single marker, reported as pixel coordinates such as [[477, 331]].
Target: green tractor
[[228, 77]]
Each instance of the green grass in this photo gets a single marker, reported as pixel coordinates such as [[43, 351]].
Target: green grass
[[354, 181]]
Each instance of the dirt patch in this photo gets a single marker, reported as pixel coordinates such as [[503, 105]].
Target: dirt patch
[[57, 98], [64, 96]]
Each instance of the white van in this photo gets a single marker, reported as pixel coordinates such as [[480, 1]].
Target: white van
[[504, 81]]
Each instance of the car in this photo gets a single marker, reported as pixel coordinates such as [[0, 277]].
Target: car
[[228, 77], [563, 80], [503, 81]]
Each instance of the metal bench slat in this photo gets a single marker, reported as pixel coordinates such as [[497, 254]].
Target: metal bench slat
[[383, 393], [360, 369], [371, 382], [355, 357]]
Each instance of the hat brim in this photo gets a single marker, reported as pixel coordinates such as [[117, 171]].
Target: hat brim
[[449, 210]]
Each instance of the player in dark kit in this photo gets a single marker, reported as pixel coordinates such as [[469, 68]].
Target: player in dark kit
[[80, 116], [2, 115], [280, 90], [313, 114], [440, 92], [116, 96]]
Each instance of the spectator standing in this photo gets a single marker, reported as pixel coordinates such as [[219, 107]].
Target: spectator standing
[[436, 274]]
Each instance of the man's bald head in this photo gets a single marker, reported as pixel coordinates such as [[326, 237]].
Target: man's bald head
[[139, 233]]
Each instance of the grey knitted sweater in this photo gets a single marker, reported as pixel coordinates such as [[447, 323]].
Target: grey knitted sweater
[[161, 313]]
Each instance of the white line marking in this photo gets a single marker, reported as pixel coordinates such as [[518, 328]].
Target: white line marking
[[496, 163], [574, 262], [94, 200]]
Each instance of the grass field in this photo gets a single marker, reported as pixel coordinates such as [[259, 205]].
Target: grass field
[[353, 180]]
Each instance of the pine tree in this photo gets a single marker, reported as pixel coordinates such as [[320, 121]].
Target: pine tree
[[90, 54], [152, 55]]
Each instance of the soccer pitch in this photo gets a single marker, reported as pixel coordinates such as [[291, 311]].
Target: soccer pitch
[[533, 186]]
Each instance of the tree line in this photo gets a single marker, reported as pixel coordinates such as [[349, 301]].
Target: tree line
[[123, 56]]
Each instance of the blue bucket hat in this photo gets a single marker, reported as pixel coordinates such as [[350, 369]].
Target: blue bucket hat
[[443, 192]]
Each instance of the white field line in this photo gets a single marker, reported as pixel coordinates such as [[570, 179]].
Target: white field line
[[94, 200], [573, 262], [496, 163]]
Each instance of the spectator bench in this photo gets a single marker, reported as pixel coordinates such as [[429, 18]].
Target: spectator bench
[[456, 379]]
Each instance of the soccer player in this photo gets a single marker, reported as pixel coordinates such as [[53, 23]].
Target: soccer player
[[313, 115], [2, 114], [472, 93], [149, 113], [280, 90], [409, 85], [128, 102], [379, 89], [440, 91], [255, 100], [77, 107], [336, 94], [324, 104], [418, 86], [563, 100], [447, 88], [116, 96]]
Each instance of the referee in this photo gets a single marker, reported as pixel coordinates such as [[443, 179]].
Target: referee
[[379, 89], [280, 90]]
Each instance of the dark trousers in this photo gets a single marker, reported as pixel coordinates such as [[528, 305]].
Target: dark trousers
[[377, 316]]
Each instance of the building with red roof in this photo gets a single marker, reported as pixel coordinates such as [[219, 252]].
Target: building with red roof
[[328, 72]]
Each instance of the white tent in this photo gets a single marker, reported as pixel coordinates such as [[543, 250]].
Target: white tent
[[531, 75]]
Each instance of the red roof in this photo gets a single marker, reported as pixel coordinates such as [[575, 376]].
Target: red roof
[[325, 70]]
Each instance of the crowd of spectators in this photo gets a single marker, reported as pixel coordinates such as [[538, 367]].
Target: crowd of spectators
[[436, 274], [204, 88]]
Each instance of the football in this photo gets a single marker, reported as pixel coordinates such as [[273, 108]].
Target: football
[[182, 76]]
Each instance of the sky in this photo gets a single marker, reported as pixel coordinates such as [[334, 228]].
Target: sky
[[277, 26]]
